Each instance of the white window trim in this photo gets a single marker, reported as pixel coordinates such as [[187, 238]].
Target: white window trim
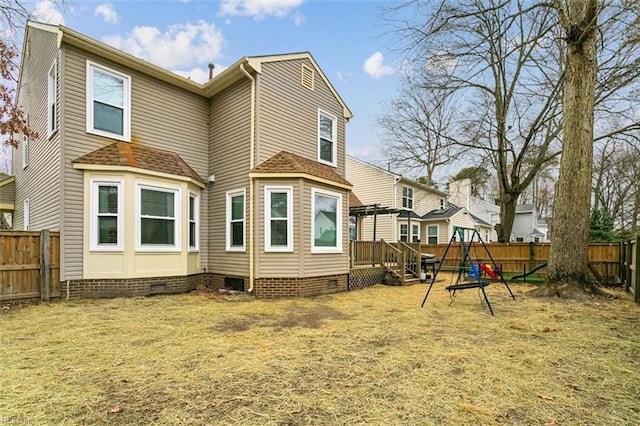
[[231, 194], [126, 115], [52, 95], [334, 137], [176, 247], [437, 233], [196, 220], [401, 234], [268, 190], [416, 234], [408, 198], [26, 214], [94, 228], [25, 152], [323, 192]]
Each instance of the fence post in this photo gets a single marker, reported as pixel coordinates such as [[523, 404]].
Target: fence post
[[628, 263], [636, 262], [45, 265]]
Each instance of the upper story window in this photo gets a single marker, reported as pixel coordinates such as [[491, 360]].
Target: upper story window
[[52, 119], [441, 203], [326, 208], [407, 197], [327, 138], [106, 216], [25, 149], [194, 220], [278, 227], [158, 218], [108, 102], [235, 220]]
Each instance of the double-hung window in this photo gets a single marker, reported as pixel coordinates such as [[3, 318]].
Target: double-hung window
[[415, 233], [278, 225], [52, 121], [404, 232], [327, 135], [158, 218], [432, 234], [108, 102], [106, 215], [407, 197], [326, 208], [236, 220], [194, 220]]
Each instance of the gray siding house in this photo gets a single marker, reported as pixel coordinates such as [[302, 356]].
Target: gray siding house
[[155, 181]]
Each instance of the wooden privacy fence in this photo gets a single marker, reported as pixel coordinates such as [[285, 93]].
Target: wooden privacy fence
[[520, 258], [29, 265]]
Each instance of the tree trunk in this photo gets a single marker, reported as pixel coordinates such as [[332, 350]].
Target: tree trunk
[[567, 270], [507, 215]]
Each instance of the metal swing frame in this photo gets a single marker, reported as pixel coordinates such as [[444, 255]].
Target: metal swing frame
[[459, 233]]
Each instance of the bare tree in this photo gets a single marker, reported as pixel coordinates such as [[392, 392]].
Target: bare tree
[[503, 58], [416, 129]]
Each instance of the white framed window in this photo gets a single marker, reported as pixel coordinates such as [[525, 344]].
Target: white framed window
[[158, 218], [194, 221], [108, 102], [106, 232], [278, 218], [404, 232], [52, 117], [407, 197], [25, 210], [236, 220], [326, 208], [432, 234], [327, 138], [353, 228], [415, 233]]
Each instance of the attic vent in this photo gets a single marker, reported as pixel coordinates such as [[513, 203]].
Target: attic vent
[[307, 77]]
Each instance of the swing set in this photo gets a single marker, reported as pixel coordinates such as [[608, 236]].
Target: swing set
[[469, 266]]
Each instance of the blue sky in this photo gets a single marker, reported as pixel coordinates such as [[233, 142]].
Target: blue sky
[[185, 35]]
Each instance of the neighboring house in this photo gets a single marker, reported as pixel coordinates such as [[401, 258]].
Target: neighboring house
[[7, 200], [389, 190], [439, 224], [460, 195], [153, 179], [527, 227]]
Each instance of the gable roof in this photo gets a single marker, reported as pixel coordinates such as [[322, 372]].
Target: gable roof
[[287, 163], [125, 154], [403, 214], [226, 78], [400, 177], [441, 213]]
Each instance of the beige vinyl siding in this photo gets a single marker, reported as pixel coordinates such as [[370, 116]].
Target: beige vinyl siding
[[320, 264], [8, 193], [162, 116], [40, 180], [373, 185], [288, 113], [423, 200], [229, 152], [463, 219], [274, 264]]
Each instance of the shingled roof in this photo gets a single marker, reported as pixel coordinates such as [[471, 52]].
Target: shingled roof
[[286, 162], [143, 157]]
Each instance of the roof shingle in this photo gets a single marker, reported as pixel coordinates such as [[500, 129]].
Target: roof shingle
[[286, 162], [142, 157]]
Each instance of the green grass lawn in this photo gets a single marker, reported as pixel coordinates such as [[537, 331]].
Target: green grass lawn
[[372, 356]]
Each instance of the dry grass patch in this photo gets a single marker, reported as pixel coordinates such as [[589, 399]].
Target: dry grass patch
[[371, 356]]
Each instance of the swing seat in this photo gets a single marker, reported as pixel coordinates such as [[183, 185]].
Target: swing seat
[[467, 285]]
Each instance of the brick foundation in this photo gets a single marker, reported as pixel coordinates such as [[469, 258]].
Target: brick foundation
[[130, 287], [268, 288]]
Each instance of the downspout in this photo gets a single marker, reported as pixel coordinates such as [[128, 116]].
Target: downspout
[[251, 165]]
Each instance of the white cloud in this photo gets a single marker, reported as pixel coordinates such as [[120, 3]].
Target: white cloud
[[107, 12], [47, 11], [298, 19], [343, 76], [258, 9], [375, 68], [182, 45], [200, 75]]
